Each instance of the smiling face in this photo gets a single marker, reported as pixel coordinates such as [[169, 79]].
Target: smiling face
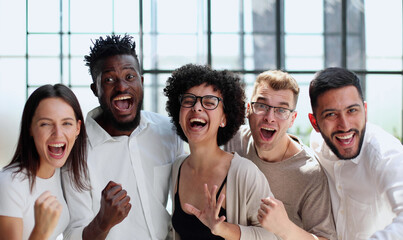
[[54, 129], [198, 123], [268, 131], [119, 88], [340, 116]]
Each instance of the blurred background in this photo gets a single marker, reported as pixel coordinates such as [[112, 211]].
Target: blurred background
[[44, 41]]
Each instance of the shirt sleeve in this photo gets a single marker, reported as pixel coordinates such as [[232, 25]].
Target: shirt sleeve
[[12, 200], [390, 178], [246, 186], [316, 211], [80, 208]]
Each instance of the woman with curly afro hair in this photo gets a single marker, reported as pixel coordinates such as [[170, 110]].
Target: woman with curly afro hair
[[216, 193]]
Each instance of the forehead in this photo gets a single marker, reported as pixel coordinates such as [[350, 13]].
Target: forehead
[[204, 89], [266, 93], [116, 62], [54, 108], [338, 98]]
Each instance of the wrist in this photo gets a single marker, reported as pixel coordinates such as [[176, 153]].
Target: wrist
[[38, 235]]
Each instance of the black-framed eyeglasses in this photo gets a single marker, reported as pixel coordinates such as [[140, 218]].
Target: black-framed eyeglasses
[[279, 112], [209, 102]]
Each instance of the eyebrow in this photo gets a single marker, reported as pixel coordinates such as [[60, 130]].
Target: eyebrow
[[286, 104], [49, 119], [335, 110]]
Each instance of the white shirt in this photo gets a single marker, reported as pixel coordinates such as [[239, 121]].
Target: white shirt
[[367, 191], [141, 163], [16, 200]]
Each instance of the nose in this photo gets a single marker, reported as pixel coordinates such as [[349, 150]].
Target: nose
[[343, 123], [57, 130], [198, 106], [269, 116], [121, 85]]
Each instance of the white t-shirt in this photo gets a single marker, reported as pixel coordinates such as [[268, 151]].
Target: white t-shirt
[[141, 163], [367, 191], [16, 200]]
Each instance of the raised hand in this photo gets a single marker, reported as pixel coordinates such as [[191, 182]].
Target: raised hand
[[273, 216], [209, 215], [115, 206], [47, 210]]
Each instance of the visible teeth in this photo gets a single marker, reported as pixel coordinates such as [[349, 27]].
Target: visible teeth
[[268, 129], [197, 120], [122, 98], [345, 137], [57, 145]]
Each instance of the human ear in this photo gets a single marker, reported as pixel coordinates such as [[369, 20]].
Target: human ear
[[312, 119], [94, 89]]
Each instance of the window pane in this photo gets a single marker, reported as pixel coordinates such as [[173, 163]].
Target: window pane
[[126, 16], [226, 51], [259, 16], [384, 98], [383, 22], [91, 16], [171, 51], [260, 52], [303, 16], [177, 16], [12, 43], [41, 20], [43, 71], [303, 52], [80, 44], [79, 72], [44, 45], [302, 127], [87, 99], [225, 16]]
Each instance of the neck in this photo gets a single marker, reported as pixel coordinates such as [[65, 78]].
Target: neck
[[45, 172], [103, 121], [205, 156], [282, 151]]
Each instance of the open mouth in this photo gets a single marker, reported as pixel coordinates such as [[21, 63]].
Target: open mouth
[[267, 133], [197, 123], [57, 149], [345, 139], [123, 103]]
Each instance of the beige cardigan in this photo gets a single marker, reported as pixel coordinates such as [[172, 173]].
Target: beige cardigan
[[246, 185]]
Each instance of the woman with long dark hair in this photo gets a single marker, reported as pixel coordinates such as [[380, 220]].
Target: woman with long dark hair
[[52, 135]]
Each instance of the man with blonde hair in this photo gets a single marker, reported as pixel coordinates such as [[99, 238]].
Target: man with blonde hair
[[301, 208]]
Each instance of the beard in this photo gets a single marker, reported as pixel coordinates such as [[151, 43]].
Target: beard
[[122, 126], [337, 152]]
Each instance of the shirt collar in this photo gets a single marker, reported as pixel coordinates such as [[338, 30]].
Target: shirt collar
[[97, 135]]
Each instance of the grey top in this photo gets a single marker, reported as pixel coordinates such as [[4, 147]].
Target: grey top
[[299, 182]]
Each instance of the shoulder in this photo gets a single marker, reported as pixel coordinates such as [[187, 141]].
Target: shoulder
[[239, 142], [245, 170], [154, 118], [378, 141], [9, 178], [158, 125]]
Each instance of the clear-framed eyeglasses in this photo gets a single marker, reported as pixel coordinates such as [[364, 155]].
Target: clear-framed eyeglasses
[[279, 112], [209, 102]]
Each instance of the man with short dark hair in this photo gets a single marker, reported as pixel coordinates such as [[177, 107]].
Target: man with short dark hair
[[302, 208], [130, 153], [364, 164]]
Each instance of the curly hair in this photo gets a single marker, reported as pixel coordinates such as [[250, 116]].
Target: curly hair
[[229, 85], [110, 46]]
